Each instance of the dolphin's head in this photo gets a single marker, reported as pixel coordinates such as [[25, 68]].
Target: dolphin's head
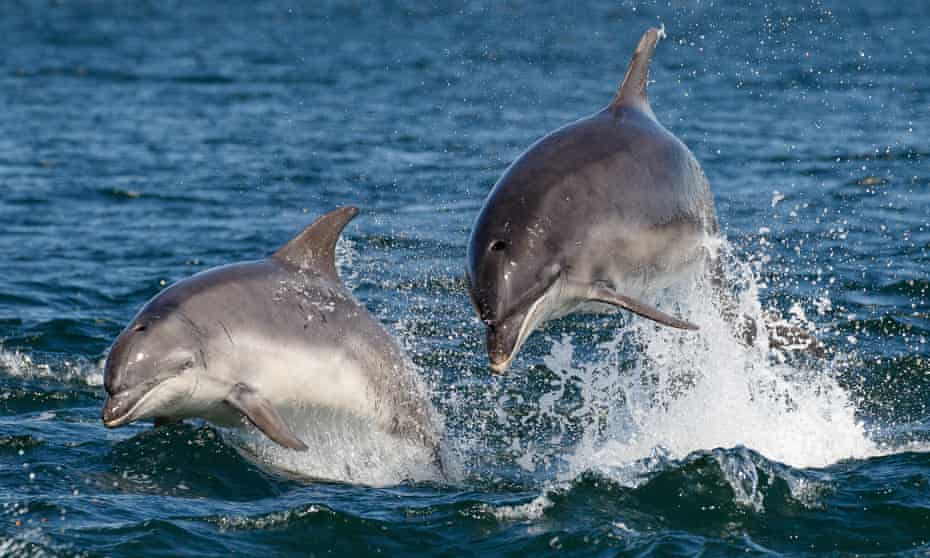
[[150, 365], [513, 277]]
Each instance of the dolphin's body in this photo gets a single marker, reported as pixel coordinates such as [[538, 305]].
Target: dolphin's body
[[254, 342], [605, 210]]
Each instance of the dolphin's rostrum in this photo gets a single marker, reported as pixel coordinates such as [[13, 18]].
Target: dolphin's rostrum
[[260, 341], [603, 211]]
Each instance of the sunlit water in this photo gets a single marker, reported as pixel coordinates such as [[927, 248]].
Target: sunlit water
[[145, 142]]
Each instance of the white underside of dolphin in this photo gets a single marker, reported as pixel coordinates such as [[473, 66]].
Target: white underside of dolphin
[[325, 380]]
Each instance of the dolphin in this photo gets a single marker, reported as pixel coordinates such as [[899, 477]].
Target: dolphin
[[250, 343], [596, 214]]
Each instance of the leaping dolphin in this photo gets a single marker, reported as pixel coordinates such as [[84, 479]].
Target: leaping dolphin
[[253, 342], [604, 210]]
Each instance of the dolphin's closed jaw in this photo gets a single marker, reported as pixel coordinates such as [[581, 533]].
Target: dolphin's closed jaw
[[506, 337], [115, 412], [498, 353], [502, 366], [119, 409], [502, 344]]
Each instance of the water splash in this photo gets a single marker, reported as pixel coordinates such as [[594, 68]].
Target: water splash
[[529, 511], [273, 520], [341, 447], [18, 364], [346, 256], [689, 392], [634, 403]]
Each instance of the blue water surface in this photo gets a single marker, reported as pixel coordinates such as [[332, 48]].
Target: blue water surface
[[143, 142]]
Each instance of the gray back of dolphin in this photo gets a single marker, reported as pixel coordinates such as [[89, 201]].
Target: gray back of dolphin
[[605, 210], [249, 339]]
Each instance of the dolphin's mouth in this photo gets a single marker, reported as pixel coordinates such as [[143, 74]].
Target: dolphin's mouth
[[505, 339], [121, 408]]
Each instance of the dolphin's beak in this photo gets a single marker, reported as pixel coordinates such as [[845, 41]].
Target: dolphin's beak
[[507, 336], [120, 409], [502, 345], [501, 367]]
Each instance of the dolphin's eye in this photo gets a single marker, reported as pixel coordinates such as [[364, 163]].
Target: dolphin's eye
[[498, 245], [188, 364], [139, 327]]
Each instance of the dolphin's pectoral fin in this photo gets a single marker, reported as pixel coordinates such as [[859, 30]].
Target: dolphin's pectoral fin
[[606, 295], [262, 414]]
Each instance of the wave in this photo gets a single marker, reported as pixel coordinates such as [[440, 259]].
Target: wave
[[271, 520], [41, 389], [715, 492], [120, 76], [17, 364], [129, 194], [721, 486], [731, 497], [183, 460]]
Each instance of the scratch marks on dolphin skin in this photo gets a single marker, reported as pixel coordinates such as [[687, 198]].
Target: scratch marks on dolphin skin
[[226, 330], [198, 331]]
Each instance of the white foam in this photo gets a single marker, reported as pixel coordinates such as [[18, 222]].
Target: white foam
[[698, 391], [21, 365], [529, 511], [342, 447], [267, 521]]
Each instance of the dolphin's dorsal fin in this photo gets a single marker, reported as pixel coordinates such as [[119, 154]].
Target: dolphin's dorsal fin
[[632, 92], [315, 247]]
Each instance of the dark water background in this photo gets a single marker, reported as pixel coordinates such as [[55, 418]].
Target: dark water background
[[142, 142]]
